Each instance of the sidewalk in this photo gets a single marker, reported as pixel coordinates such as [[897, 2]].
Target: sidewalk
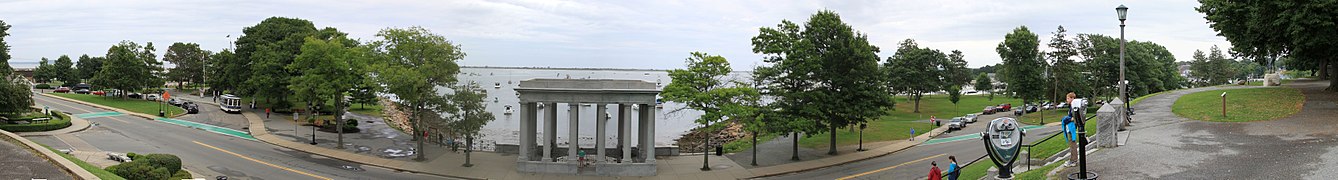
[[279, 130]]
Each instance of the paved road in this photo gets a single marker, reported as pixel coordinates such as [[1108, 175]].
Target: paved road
[[913, 163], [207, 154]]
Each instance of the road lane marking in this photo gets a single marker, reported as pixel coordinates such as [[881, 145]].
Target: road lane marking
[[889, 167], [99, 114], [968, 136], [207, 127], [79, 109], [263, 162]]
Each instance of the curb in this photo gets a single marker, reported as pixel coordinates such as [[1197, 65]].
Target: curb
[[69, 166], [258, 131], [933, 133]]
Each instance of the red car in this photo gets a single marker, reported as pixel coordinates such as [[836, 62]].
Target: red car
[[1006, 107], [62, 90], [99, 93], [988, 110]]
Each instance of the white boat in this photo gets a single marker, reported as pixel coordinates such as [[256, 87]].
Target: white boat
[[496, 85], [508, 110]]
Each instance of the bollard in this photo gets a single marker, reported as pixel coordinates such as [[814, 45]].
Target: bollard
[[1224, 104]]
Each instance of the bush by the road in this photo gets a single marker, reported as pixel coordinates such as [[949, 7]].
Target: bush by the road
[[42, 86], [150, 167], [60, 120]]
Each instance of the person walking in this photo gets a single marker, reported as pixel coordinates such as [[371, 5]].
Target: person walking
[[912, 134], [953, 169], [934, 173]]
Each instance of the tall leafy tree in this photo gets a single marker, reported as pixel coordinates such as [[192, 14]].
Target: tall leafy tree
[[15, 97], [983, 83], [915, 71], [189, 60], [5, 69], [266, 49], [470, 114], [330, 69], [412, 63], [825, 71], [702, 86], [1266, 30], [128, 66], [1212, 68], [1023, 64], [954, 95], [1066, 74], [87, 67], [63, 70], [226, 71], [44, 71]]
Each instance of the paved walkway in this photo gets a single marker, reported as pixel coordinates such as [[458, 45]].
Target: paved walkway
[[368, 147], [1162, 145]]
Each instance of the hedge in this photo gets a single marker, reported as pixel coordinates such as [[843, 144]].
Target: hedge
[[151, 167], [59, 121]]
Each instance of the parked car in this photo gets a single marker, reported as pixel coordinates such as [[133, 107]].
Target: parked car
[[81, 91], [956, 124], [82, 86], [1062, 105], [118, 157], [62, 90], [1019, 112], [100, 93], [135, 95], [987, 110], [1032, 108], [971, 118], [151, 97], [191, 108], [1006, 106], [1047, 106], [176, 102]]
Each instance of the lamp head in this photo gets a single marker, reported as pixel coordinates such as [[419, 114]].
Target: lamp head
[[1122, 11]]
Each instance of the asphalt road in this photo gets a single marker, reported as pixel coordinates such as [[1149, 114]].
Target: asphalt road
[[208, 154], [914, 163]]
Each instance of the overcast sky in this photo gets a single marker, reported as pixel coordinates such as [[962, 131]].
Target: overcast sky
[[612, 34]]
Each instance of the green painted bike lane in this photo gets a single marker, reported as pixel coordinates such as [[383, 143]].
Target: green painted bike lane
[[207, 127], [969, 136], [98, 114]]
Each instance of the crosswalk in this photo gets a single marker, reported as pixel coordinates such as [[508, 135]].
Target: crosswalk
[[99, 114]]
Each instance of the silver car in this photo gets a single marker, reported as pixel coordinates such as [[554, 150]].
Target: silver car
[[118, 157], [971, 118], [956, 123]]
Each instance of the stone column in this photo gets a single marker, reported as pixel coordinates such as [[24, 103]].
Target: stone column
[[550, 131], [625, 124], [526, 131], [648, 114], [1109, 121], [600, 137], [573, 139], [640, 131]]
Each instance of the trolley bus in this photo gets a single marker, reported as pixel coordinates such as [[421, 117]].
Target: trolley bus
[[230, 103]]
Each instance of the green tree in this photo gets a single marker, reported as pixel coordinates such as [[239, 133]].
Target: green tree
[[1023, 64], [1265, 30], [330, 69], [63, 70], [129, 67], [267, 48], [915, 71], [412, 63], [363, 94], [984, 84], [226, 71], [470, 114], [87, 67], [954, 95], [1213, 68], [44, 72], [701, 87], [825, 72], [5, 69], [1065, 73], [189, 60]]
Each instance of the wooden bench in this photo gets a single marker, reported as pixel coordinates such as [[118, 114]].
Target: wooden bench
[[41, 120]]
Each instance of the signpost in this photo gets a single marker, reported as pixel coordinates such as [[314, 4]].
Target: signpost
[[1224, 104], [1002, 140]]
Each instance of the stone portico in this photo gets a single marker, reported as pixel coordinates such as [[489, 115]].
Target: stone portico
[[622, 95]]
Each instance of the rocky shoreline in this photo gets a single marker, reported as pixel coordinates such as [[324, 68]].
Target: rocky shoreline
[[691, 142]]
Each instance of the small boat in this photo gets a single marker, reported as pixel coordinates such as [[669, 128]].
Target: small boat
[[494, 99], [659, 103], [508, 110], [496, 85], [508, 82]]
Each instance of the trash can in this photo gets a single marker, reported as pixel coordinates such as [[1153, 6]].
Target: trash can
[[719, 150]]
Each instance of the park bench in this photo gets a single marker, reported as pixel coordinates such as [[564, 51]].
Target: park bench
[[41, 120]]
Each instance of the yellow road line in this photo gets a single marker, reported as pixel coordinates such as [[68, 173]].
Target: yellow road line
[[886, 168], [262, 162]]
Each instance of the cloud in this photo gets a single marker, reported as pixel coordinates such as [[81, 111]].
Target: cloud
[[619, 34]]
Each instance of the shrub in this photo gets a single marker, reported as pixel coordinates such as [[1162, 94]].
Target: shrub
[[56, 123], [42, 86], [181, 175], [139, 170], [171, 162], [132, 156]]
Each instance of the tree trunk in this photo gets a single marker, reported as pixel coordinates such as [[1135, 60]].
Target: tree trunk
[[1323, 72], [754, 148], [418, 128], [706, 148], [1333, 81], [794, 146], [339, 123], [917, 103], [831, 150], [469, 144]]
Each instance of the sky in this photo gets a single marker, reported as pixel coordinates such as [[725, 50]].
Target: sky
[[595, 34]]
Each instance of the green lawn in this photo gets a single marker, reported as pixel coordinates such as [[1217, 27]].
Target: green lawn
[[976, 170], [1243, 105], [134, 105], [1038, 173], [747, 142], [879, 130], [1051, 146], [1049, 116], [373, 109], [99, 172], [940, 107]]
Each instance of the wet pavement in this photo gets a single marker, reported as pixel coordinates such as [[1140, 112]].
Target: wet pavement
[[1165, 146], [19, 162]]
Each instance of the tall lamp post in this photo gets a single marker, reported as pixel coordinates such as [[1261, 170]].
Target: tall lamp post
[[1124, 85]]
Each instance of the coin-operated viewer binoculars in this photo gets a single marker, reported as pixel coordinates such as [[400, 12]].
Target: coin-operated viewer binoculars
[[1001, 142]]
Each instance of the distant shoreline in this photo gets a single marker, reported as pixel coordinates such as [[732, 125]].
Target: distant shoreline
[[573, 68]]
